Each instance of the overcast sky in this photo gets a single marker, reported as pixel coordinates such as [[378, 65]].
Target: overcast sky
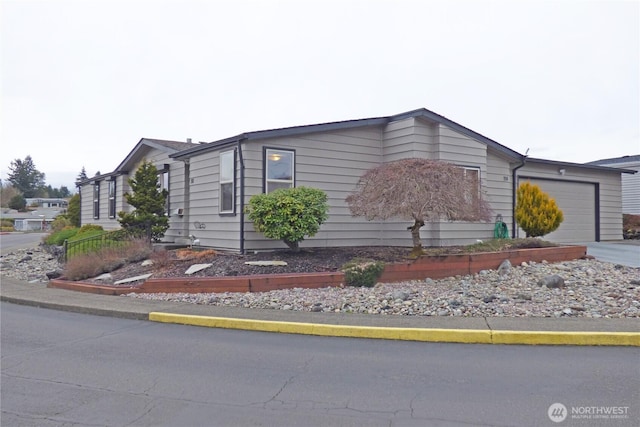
[[83, 81]]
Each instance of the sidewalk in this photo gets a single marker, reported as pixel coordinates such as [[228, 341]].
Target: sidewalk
[[568, 331]]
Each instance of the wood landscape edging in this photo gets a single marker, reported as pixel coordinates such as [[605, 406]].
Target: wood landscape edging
[[434, 267]]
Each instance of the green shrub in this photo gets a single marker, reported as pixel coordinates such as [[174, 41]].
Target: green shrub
[[89, 228], [7, 224], [288, 214], [58, 237], [362, 272], [73, 211], [60, 222]]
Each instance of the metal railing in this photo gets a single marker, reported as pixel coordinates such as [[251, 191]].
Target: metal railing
[[104, 240]]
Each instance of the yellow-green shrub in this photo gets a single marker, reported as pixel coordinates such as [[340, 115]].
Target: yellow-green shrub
[[536, 213]]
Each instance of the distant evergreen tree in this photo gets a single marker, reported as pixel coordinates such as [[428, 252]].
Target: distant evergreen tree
[[18, 203], [26, 178], [82, 175]]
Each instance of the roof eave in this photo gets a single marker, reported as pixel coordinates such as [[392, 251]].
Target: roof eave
[[580, 165]]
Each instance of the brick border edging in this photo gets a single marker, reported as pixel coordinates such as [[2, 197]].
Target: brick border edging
[[435, 267]]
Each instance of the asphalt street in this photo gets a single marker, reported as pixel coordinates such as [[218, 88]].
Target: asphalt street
[[61, 368]]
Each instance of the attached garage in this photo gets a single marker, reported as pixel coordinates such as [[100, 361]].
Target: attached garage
[[579, 204]]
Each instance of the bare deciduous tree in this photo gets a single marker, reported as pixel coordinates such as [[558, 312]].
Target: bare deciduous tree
[[420, 190]]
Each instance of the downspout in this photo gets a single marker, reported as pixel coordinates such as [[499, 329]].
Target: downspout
[[514, 190], [241, 159], [186, 198]]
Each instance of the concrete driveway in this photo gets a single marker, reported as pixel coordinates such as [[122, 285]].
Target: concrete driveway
[[625, 252]]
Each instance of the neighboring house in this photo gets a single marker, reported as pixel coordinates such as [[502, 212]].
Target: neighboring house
[[41, 202], [41, 213], [210, 184], [630, 183]]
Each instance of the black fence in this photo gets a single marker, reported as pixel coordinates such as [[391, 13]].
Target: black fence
[[104, 240]]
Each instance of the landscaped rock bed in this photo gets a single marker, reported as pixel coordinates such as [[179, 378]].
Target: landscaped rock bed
[[590, 289]]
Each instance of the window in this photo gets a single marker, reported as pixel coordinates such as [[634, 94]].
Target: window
[[163, 179], [227, 180], [472, 175], [279, 169], [112, 198], [96, 200]]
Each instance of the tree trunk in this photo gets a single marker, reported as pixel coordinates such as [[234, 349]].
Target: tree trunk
[[294, 246], [415, 235]]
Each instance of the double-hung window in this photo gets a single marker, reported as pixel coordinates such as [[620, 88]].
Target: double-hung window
[[472, 176], [227, 181], [112, 198], [279, 169], [96, 200]]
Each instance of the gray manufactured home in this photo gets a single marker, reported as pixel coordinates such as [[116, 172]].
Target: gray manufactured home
[[210, 183]]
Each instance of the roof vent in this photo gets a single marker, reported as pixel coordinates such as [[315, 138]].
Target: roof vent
[[188, 140]]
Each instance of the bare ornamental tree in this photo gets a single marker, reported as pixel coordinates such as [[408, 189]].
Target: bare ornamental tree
[[420, 190]]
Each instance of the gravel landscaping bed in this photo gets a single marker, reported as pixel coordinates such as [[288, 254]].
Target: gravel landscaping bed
[[591, 288]]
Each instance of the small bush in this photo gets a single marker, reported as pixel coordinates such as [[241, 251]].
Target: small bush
[[193, 254], [7, 222], [536, 213], [161, 258], [3, 228], [289, 214], [137, 250], [631, 226], [362, 272], [60, 222], [57, 238], [90, 228]]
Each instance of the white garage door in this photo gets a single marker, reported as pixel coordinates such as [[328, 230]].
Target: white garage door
[[578, 204]]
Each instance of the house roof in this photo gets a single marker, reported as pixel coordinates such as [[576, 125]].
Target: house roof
[[616, 160], [169, 147], [166, 146], [579, 165], [347, 124]]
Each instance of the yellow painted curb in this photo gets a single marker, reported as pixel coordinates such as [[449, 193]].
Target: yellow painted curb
[[567, 338], [407, 334], [470, 336]]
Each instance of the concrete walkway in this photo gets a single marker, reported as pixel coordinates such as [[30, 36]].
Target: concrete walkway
[[496, 330], [625, 252]]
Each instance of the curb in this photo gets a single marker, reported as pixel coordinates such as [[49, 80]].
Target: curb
[[466, 336]]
